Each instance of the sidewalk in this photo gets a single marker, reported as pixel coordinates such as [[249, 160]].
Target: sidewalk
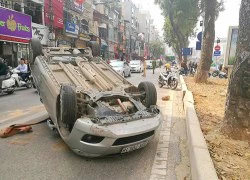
[[171, 159]]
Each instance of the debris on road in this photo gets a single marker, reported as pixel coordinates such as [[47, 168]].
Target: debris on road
[[165, 98]]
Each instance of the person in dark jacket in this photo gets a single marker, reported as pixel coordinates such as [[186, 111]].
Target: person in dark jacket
[[3, 71]]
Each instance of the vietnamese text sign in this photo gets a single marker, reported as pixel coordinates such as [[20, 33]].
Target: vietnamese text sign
[[15, 24], [41, 32]]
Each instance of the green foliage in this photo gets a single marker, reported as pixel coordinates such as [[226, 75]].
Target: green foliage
[[180, 20], [157, 48]]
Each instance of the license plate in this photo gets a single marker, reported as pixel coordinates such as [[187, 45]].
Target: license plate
[[134, 147]]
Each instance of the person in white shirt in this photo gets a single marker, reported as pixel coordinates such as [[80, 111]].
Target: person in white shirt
[[23, 68]]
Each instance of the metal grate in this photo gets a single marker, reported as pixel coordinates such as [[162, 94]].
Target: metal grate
[[131, 139]]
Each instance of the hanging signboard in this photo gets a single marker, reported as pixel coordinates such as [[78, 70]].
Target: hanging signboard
[[14, 26], [231, 46], [41, 32]]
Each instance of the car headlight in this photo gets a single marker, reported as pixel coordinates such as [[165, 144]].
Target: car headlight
[[92, 138]]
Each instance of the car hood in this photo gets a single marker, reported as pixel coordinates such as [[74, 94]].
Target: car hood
[[135, 65]]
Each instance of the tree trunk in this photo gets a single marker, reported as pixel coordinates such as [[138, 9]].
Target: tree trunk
[[238, 97], [208, 42]]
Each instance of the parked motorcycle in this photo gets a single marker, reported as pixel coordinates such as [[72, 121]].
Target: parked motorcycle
[[168, 78], [215, 73], [8, 84], [222, 75], [19, 82]]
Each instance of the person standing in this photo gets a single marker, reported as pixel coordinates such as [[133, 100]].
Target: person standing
[[3, 71], [154, 65], [144, 67]]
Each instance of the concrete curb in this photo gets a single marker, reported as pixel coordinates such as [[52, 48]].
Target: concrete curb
[[202, 167]]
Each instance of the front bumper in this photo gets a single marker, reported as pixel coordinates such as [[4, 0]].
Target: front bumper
[[133, 133], [135, 70]]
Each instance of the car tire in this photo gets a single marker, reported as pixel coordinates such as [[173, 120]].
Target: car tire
[[68, 105], [129, 74], [123, 74], [150, 97], [36, 47]]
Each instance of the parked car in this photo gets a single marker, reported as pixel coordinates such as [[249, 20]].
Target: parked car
[[112, 60], [95, 110], [121, 68], [149, 64], [136, 66]]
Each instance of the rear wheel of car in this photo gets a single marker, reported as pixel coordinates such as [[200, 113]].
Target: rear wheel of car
[[68, 106], [123, 74], [150, 94]]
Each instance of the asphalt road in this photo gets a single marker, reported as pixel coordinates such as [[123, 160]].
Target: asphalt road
[[43, 155], [20, 99]]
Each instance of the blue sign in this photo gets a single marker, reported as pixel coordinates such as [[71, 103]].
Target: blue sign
[[199, 36], [198, 45], [217, 53], [70, 27], [187, 51]]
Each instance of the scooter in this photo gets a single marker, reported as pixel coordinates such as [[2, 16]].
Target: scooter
[[169, 79], [222, 75], [27, 82], [8, 84]]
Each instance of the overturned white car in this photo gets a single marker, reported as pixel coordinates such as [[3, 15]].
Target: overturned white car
[[95, 110]]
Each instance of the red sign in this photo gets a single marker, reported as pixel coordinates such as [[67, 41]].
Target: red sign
[[54, 12], [217, 48], [14, 39]]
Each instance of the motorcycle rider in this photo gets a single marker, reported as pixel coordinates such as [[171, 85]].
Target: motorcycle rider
[[3, 71], [23, 68]]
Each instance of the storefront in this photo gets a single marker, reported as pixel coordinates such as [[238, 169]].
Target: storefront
[[15, 34]]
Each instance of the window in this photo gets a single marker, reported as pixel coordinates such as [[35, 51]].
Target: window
[[34, 10], [84, 26], [7, 4], [17, 7]]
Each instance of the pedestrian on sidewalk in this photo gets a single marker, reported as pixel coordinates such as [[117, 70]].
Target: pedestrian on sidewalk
[[144, 67], [154, 65]]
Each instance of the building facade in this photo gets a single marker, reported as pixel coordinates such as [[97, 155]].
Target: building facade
[[121, 30]]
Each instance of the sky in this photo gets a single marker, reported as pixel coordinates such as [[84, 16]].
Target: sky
[[229, 17]]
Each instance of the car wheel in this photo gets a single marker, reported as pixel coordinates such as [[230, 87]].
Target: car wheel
[[123, 74], [36, 47], [150, 96], [68, 105]]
